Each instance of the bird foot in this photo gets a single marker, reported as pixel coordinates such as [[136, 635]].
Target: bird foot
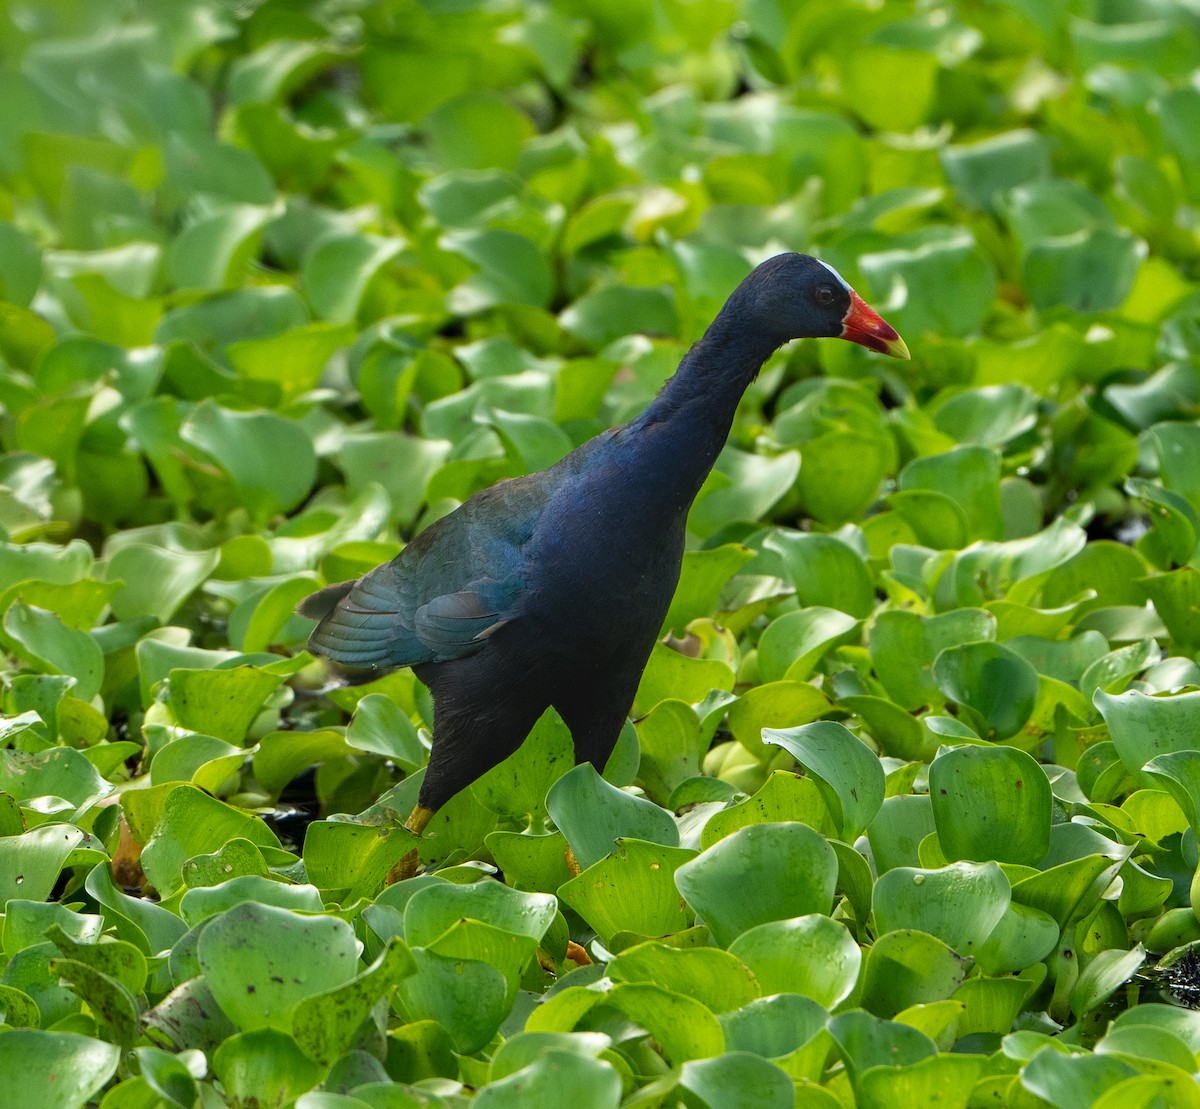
[[575, 954], [407, 867]]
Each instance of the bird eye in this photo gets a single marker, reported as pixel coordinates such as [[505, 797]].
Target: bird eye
[[824, 294]]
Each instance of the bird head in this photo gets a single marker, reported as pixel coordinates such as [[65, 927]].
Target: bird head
[[796, 296]]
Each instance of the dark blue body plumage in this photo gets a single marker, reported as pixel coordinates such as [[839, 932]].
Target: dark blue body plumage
[[551, 589]]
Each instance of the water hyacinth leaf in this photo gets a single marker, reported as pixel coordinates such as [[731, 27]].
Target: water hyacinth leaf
[[672, 744], [120, 961], [1178, 772], [899, 826], [524, 1048], [197, 905], [742, 487], [379, 726], [1147, 1042], [512, 270], [716, 978], [779, 1027], [608, 313], [285, 957], [270, 459], [842, 474], [782, 797], [956, 279], [593, 814], [1072, 1081], [633, 890], [55, 1070], [904, 645], [851, 777], [980, 171], [737, 1080], [792, 644], [812, 956], [1022, 937], [970, 477], [557, 1077], [293, 360], [58, 772], [682, 1026], [1071, 889], [865, 1041], [701, 580], [347, 861], [760, 709], [282, 755], [531, 863], [1176, 598], [192, 823], [674, 676], [990, 803], [993, 681], [114, 1006], [943, 1080], [1144, 727], [760, 873], [156, 581], [519, 785], [223, 703], [468, 998], [825, 571], [1145, 1091], [30, 863], [907, 967], [434, 909], [47, 644], [337, 270], [959, 904], [325, 1024], [264, 1063]]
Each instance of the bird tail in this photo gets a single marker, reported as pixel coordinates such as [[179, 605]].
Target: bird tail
[[349, 632]]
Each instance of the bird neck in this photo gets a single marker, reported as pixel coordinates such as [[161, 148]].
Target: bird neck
[[698, 403]]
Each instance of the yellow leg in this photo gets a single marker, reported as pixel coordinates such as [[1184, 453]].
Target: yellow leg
[[407, 866]]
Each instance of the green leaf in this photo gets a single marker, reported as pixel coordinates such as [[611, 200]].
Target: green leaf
[[1072, 1081], [270, 459], [959, 904], [991, 679], [156, 581], [865, 1041], [908, 967], [55, 1070], [810, 955], [593, 814], [30, 863], [990, 803], [478, 130], [760, 873], [850, 776], [1144, 727], [260, 962], [468, 998], [264, 1064], [338, 269], [942, 1079], [825, 571], [737, 1080], [631, 890], [556, 1077]]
